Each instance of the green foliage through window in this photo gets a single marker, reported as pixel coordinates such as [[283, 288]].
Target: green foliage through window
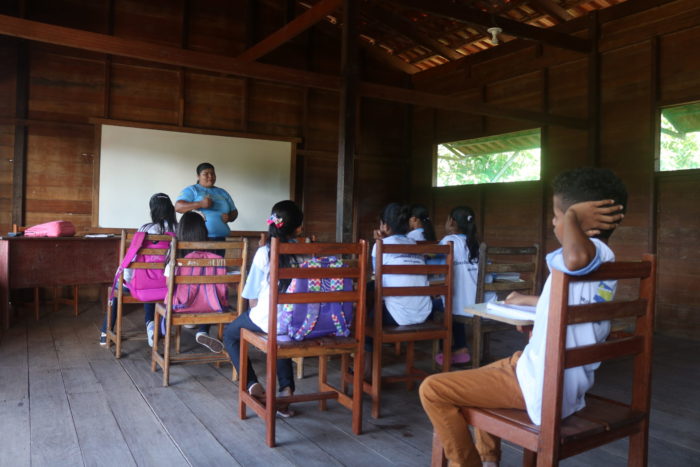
[[510, 157], [680, 138]]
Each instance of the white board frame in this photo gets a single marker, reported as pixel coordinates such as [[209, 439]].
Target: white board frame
[[136, 161]]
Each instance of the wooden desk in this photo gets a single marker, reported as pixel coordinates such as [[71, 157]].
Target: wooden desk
[[479, 311], [49, 262]]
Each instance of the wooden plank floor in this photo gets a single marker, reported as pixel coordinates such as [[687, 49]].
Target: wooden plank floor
[[64, 400]]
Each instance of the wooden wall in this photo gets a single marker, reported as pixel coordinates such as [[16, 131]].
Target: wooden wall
[[67, 87], [648, 59]]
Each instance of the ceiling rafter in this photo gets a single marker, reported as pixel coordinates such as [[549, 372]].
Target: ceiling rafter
[[511, 27], [152, 52], [552, 8], [407, 28], [290, 30]]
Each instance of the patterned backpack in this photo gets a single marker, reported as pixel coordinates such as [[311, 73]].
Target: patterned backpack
[[310, 320]]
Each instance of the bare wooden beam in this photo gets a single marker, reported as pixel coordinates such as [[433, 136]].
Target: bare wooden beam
[[406, 28], [347, 127], [452, 103], [552, 8], [290, 30], [457, 12], [102, 43], [19, 157]]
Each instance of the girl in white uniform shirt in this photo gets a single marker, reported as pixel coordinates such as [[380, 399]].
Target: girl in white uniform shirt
[[461, 231], [420, 224]]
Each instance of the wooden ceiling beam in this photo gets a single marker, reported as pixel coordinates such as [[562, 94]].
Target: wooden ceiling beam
[[456, 12], [290, 30], [406, 28], [552, 8], [156, 53]]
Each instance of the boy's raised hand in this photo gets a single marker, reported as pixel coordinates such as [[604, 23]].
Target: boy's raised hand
[[594, 216]]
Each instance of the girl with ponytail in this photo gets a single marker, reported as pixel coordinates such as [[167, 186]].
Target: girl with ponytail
[[284, 223], [421, 226], [461, 231]]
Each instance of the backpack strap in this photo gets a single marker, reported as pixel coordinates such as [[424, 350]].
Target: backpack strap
[[136, 243]]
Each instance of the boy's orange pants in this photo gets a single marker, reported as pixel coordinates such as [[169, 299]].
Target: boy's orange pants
[[494, 386]]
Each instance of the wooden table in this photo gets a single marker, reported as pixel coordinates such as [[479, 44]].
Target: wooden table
[[51, 262], [479, 311]]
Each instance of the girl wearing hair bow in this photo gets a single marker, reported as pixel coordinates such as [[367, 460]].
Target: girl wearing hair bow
[[461, 231], [284, 223]]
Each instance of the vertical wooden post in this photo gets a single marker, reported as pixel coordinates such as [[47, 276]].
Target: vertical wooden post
[[594, 94], [545, 177], [348, 115], [19, 157], [655, 125]]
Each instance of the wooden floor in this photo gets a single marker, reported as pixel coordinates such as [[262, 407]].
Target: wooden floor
[[64, 400]]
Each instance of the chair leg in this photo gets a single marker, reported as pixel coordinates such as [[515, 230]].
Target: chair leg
[[178, 336], [638, 449], [55, 299], [243, 379], [344, 362], [156, 339], [300, 366], [437, 458], [118, 333], [410, 357], [271, 401], [357, 390], [529, 458], [166, 358], [322, 378], [376, 386], [436, 349], [476, 342], [397, 348]]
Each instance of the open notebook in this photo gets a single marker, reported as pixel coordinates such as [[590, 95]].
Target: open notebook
[[511, 311]]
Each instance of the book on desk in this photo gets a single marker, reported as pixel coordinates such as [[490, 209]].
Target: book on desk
[[519, 312]]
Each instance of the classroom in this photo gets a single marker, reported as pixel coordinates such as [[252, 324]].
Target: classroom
[[342, 106]]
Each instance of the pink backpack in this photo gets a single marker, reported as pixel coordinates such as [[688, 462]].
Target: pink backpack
[[146, 285], [200, 298], [51, 229]]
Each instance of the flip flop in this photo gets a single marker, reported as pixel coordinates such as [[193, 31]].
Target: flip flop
[[457, 358]]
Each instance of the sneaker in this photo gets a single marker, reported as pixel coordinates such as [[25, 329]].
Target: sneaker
[[256, 390], [457, 358], [103, 339], [209, 342], [150, 326], [283, 410]]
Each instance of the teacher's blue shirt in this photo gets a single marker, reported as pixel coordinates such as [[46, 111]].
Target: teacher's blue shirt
[[221, 203]]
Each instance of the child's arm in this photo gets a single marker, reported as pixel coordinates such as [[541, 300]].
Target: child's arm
[[582, 220], [517, 298]]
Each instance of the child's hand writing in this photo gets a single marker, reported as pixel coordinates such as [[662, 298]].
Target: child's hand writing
[[594, 216], [516, 298]]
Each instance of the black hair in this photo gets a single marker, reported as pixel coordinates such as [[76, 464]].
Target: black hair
[[466, 224], [204, 166], [162, 212], [421, 213], [396, 216], [590, 184], [285, 218]]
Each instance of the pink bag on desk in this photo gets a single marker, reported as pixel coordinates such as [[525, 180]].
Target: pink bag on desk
[[51, 229]]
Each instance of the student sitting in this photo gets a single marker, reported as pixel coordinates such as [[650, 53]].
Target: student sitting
[[421, 226], [461, 232], [588, 203], [285, 224], [162, 221]]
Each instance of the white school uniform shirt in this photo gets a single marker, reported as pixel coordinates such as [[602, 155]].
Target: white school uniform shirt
[[404, 310], [578, 380], [464, 274], [257, 287], [417, 234]]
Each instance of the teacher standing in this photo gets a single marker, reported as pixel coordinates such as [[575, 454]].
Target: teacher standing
[[214, 202]]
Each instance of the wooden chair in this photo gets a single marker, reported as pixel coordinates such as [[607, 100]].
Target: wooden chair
[[429, 330], [57, 298], [236, 256], [122, 296], [602, 420], [321, 347], [499, 261]]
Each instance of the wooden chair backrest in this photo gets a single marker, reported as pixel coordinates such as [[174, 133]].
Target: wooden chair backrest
[[236, 256], [511, 259], [356, 253], [444, 288], [639, 345]]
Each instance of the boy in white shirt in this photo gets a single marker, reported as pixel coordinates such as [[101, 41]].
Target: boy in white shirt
[[588, 203]]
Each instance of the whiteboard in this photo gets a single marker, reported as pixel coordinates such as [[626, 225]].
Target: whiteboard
[[135, 163]]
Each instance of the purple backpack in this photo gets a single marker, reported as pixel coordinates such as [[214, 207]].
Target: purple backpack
[[311, 320], [146, 285]]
